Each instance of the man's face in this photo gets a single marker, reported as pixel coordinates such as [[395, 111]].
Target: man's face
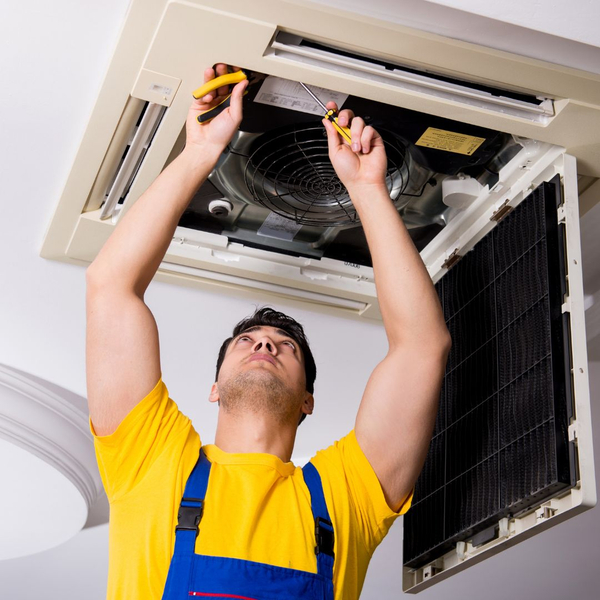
[[263, 368]]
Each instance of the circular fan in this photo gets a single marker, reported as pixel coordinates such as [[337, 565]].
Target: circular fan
[[290, 173]]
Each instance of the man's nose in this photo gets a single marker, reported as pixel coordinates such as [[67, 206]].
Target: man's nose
[[263, 344]]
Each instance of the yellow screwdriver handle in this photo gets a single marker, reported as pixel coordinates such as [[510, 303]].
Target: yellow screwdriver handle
[[343, 131], [213, 84]]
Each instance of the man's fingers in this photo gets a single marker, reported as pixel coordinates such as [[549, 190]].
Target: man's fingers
[[222, 70], [333, 139], [364, 137], [367, 138], [345, 117], [356, 128], [235, 105], [220, 93], [209, 74]]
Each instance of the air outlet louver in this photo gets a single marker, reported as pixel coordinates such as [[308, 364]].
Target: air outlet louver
[[298, 49], [501, 438]]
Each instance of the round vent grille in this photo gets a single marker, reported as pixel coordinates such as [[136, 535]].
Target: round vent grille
[[290, 173]]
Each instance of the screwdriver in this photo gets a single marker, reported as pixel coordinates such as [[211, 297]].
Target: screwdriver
[[331, 115]]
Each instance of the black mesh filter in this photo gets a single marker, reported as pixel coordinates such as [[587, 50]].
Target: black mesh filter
[[290, 173], [500, 443]]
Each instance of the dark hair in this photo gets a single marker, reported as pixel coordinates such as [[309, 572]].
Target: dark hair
[[268, 317]]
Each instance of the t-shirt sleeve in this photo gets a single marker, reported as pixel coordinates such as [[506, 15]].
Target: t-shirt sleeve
[[126, 455], [345, 469]]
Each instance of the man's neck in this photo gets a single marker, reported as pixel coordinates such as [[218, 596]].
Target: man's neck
[[254, 433]]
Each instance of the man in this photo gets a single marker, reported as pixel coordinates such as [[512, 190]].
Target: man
[[258, 527]]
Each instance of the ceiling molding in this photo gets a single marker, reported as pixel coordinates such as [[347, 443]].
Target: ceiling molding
[[36, 418]]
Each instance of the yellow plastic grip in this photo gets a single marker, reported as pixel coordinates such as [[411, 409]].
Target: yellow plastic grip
[[217, 82], [343, 131]]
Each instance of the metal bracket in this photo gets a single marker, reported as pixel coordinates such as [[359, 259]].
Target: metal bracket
[[433, 569], [504, 209], [452, 259], [572, 432], [545, 512], [503, 528]]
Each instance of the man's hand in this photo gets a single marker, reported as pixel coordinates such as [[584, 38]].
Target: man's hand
[[365, 162], [219, 131]]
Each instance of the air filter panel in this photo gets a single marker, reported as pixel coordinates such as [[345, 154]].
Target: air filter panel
[[500, 443]]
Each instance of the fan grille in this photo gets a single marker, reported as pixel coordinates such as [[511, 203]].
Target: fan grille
[[289, 172]]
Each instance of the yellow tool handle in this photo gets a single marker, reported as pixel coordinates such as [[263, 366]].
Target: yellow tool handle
[[343, 131], [217, 82]]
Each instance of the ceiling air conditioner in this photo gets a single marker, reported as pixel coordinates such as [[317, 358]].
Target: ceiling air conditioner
[[482, 148]]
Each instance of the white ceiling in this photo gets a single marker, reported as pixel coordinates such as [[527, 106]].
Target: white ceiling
[[53, 58]]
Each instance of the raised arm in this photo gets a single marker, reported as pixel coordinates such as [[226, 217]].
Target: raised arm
[[397, 412], [123, 362]]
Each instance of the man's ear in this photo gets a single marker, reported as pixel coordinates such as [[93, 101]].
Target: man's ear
[[309, 404], [214, 393]]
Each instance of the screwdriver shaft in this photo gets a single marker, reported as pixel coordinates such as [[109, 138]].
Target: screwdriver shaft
[[310, 92], [330, 114]]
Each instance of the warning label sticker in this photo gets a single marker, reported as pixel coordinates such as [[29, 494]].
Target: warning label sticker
[[291, 95], [279, 227], [449, 141]]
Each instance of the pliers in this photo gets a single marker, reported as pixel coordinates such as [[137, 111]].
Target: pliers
[[212, 85], [236, 77]]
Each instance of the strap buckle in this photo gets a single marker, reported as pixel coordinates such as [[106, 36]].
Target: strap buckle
[[324, 536], [188, 517]]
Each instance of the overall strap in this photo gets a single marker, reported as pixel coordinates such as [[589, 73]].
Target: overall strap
[[188, 523], [324, 533]]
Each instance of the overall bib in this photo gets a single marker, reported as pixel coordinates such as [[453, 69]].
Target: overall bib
[[218, 578]]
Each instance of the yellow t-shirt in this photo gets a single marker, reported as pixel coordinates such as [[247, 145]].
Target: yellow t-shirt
[[257, 507]]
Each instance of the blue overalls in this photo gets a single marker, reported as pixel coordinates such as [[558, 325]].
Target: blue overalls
[[217, 578]]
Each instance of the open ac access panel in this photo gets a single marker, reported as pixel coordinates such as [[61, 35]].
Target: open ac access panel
[[483, 152]]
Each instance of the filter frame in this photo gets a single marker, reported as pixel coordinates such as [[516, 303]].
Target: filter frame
[[450, 501]]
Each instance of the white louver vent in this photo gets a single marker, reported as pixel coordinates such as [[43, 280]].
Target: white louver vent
[[133, 157], [295, 48]]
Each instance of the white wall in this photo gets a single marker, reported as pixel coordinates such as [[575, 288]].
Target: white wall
[[553, 30], [570, 20]]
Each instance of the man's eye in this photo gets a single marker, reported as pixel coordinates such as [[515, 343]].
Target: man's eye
[[244, 338], [290, 344]]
